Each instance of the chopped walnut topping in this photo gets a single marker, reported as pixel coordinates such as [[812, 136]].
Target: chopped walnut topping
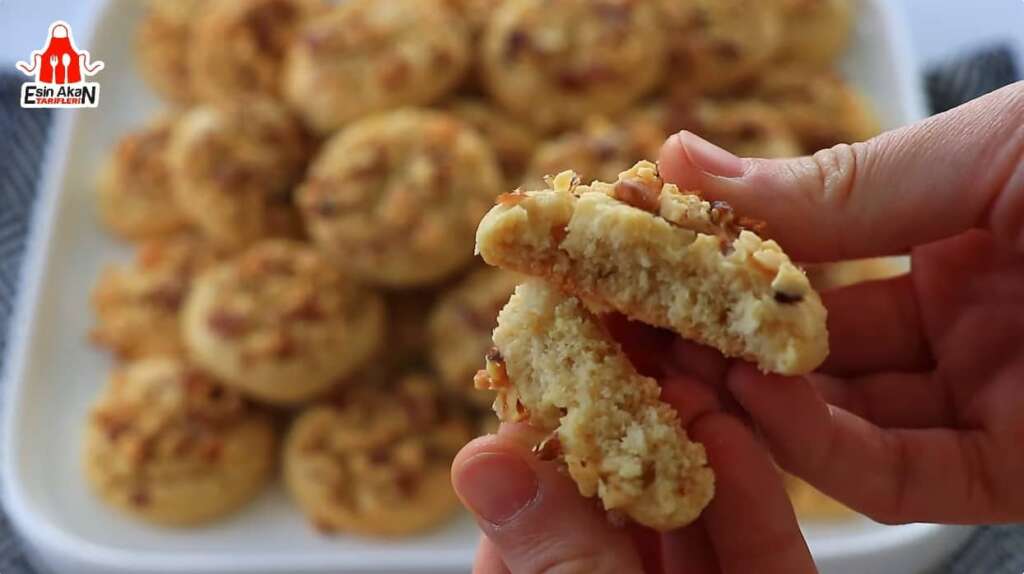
[[510, 199], [639, 194], [517, 43], [564, 181], [228, 325]]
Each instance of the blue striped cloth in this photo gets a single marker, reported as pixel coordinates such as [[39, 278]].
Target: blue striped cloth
[[992, 550]]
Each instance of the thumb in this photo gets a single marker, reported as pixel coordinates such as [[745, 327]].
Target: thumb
[[955, 171], [533, 514]]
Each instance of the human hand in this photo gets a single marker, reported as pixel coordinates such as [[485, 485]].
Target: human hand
[[534, 519], [917, 413]]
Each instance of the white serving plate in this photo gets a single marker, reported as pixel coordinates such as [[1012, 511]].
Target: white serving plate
[[53, 374]]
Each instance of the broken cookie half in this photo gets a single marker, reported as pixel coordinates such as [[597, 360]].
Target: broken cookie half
[[555, 367], [668, 258]]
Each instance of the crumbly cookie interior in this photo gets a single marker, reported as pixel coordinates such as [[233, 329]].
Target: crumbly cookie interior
[[556, 367], [642, 247]]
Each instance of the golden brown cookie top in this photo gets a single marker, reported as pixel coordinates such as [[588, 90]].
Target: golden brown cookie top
[[381, 442], [275, 295], [159, 411]]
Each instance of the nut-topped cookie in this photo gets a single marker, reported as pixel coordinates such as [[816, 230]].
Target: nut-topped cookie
[[395, 197], [599, 150], [280, 323], [238, 47], [167, 444], [513, 141], [815, 32], [376, 462], [745, 127], [460, 328], [818, 107], [716, 45], [557, 63], [162, 41], [667, 258], [136, 198], [555, 367], [234, 167], [137, 306], [368, 56]]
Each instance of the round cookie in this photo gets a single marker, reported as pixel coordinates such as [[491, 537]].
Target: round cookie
[[137, 306], [600, 150], [238, 47], [513, 142], [557, 63], [377, 462], [746, 128], [716, 45], [819, 107], [815, 32], [461, 325], [161, 47], [234, 167], [134, 189], [369, 56], [167, 444], [280, 323], [396, 197]]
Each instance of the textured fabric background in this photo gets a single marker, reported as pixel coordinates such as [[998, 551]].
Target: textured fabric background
[[992, 550]]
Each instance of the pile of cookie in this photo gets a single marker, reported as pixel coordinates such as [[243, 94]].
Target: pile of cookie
[[304, 293]]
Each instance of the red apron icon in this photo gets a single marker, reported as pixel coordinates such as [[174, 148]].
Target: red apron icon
[[59, 62]]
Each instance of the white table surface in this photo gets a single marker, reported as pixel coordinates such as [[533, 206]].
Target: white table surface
[[938, 28]]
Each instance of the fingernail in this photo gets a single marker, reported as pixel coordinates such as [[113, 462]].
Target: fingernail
[[496, 486], [709, 157]]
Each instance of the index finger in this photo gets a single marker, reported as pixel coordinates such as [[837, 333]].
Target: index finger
[[955, 171]]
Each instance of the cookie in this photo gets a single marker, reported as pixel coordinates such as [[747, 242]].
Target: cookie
[[475, 15], [819, 107], [557, 63], [665, 257], [395, 197], [512, 141], [715, 46], [461, 325], [279, 323], [746, 128], [233, 168], [377, 462], [238, 47], [162, 40], [557, 368], [815, 32], [136, 199], [137, 306], [601, 149], [369, 56], [167, 444]]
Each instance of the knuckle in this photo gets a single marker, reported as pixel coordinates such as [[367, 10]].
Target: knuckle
[[836, 169]]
